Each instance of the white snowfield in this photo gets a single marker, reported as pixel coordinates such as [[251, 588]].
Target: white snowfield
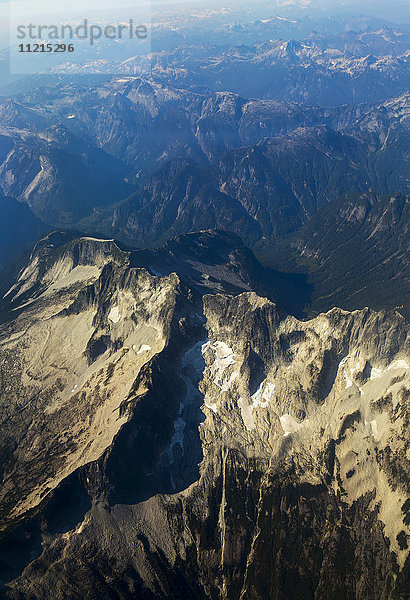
[[375, 372], [290, 425], [224, 358], [143, 348], [114, 315], [263, 395]]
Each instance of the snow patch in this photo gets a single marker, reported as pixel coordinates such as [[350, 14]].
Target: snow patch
[[143, 348], [348, 375], [284, 19], [290, 425], [225, 357], [263, 395], [192, 358], [375, 373], [177, 438], [92, 239], [324, 325], [246, 412], [398, 364], [261, 398], [374, 428], [227, 384], [114, 315]]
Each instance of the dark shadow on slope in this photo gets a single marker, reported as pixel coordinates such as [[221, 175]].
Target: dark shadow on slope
[[180, 461], [159, 450], [216, 261], [328, 373], [62, 512], [17, 550], [68, 505]]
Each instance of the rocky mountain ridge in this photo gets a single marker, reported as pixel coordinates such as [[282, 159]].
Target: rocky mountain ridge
[[196, 446], [69, 151]]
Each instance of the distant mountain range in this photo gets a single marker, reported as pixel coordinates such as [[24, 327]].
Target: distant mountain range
[[145, 159], [204, 296]]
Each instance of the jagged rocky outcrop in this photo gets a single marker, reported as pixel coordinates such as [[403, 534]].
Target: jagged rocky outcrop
[[165, 441], [259, 166]]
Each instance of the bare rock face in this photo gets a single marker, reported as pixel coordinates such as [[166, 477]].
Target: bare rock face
[[159, 443]]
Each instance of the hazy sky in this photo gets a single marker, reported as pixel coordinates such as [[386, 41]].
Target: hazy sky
[[394, 10], [42, 6]]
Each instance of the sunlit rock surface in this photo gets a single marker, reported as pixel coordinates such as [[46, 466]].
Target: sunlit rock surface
[[161, 440]]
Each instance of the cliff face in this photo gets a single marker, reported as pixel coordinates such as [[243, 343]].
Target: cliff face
[[160, 443]]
